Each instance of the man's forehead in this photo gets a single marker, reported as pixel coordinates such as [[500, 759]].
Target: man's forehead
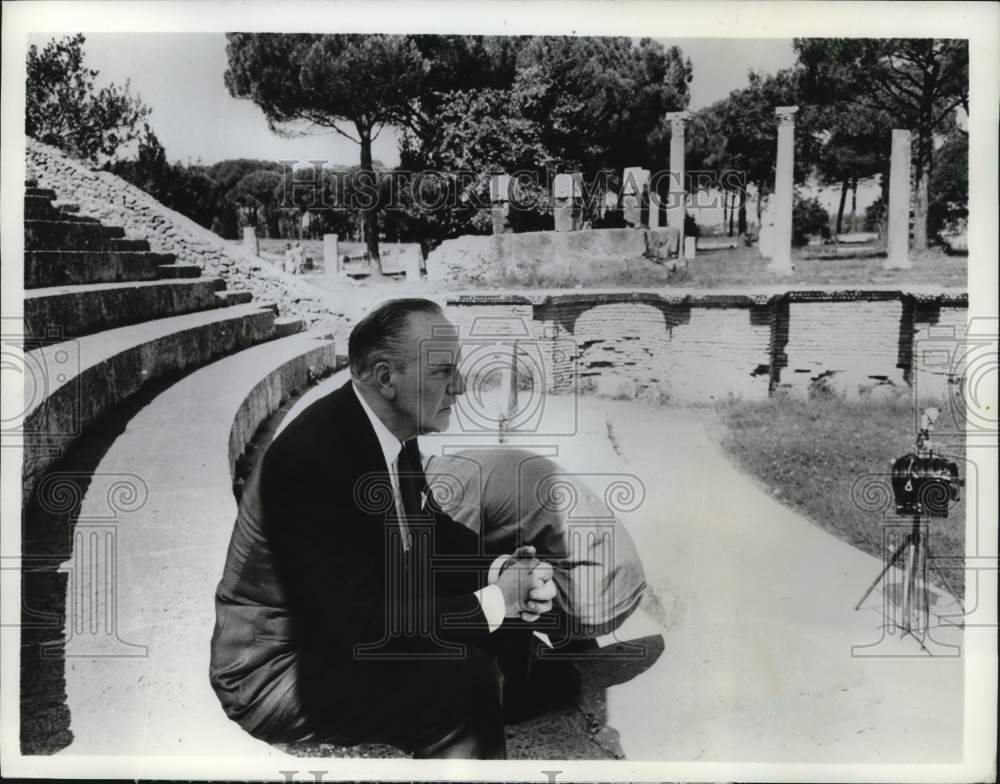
[[437, 339]]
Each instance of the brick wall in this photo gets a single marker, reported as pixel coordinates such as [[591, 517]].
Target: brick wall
[[699, 349]]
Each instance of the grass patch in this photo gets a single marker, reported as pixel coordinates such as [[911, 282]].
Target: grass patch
[[810, 452]]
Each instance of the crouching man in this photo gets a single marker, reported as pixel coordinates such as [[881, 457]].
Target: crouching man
[[351, 608]]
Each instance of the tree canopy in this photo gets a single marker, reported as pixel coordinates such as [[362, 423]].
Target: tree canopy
[[917, 82], [326, 81], [63, 108]]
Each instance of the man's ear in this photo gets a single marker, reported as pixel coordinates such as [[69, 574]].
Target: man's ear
[[382, 376]]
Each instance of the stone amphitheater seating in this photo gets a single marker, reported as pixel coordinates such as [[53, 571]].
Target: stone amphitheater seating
[[139, 371]]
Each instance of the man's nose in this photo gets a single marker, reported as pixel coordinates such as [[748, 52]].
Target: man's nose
[[457, 386]]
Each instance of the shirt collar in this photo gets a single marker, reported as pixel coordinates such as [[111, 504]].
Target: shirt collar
[[391, 446]]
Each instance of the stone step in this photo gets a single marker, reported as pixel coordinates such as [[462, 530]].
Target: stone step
[[178, 271], [69, 217], [177, 452], [74, 382], [89, 242], [40, 208], [66, 207], [66, 235], [45, 193], [71, 267], [288, 325], [227, 298], [62, 312]]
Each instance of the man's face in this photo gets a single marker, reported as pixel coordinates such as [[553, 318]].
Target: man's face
[[429, 382]]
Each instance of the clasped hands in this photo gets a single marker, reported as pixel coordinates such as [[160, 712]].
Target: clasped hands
[[527, 586]]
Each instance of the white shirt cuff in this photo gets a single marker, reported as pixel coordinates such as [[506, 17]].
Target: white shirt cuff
[[494, 607], [494, 573]]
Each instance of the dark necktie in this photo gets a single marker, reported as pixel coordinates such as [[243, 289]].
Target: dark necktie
[[412, 487]]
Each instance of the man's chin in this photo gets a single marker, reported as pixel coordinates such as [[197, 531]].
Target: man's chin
[[439, 424], [443, 420]]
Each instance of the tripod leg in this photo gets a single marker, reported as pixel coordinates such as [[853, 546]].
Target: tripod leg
[[915, 615], [892, 560], [945, 579]]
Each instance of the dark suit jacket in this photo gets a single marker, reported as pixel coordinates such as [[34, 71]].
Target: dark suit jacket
[[306, 574]]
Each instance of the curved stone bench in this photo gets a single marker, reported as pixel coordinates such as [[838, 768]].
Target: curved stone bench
[[71, 267], [68, 385], [139, 686], [89, 308]]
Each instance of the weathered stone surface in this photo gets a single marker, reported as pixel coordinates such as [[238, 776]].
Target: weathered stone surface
[[227, 298], [178, 271], [185, 498], [82, 310], [288, 325], [318, 359], [898, 239], [102, 195], [693, 347], [58, 234], [59, 268], [76, 381], [479, 260], [662, 243]]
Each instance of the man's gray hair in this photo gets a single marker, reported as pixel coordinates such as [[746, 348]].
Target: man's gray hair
[[381, 335]]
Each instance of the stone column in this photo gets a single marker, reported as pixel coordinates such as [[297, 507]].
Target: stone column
[[676, 201], [899, 202], [412, 261], [567, 195], [781, 251], [500, 203], [654, 210], [250, 240], [690, 247], [635, 180], [331, 259]]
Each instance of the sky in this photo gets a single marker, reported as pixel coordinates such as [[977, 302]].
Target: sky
[[179, 75]]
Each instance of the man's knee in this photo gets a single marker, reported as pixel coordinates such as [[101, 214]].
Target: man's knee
[[478, 677]]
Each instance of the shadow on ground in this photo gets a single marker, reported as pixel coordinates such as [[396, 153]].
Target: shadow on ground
[[48, 523]]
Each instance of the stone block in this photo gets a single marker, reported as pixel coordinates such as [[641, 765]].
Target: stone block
[[40, 208], [413, 261], [83, 310], [67, 234], [662, 243], [635, 180], [178, 271], [97, 372], [689, 247], [331, 259], [632, 210], [60, 268], [564, 214], [250, 242], [500, 214], [288, 325], [227, 298], [501, 187]]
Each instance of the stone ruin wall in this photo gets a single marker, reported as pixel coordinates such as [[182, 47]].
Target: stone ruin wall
[[116, 202], [520, 259], [707, 350]]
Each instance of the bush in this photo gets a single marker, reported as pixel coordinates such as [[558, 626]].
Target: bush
[[875, 215], [809, 219]]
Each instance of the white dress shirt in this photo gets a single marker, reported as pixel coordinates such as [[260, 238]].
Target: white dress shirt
[[490, 597]]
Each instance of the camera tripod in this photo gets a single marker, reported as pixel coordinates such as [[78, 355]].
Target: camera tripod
[[914, 551]]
